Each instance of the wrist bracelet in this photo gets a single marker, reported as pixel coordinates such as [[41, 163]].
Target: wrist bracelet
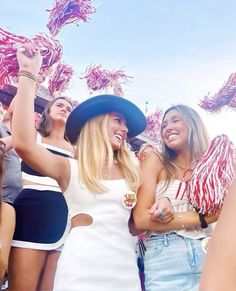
[[27, 75], [202, 221]]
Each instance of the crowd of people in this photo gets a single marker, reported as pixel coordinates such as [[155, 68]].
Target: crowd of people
[[78, 197]]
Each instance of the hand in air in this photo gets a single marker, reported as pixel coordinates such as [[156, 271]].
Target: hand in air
[[29, 58], [117, 89]]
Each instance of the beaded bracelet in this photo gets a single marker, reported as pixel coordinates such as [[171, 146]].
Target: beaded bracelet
[[27, 75]]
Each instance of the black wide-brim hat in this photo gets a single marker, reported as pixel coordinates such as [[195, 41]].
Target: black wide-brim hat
[[103, 104]]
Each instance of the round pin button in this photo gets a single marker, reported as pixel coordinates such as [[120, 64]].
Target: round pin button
[[129, 200]]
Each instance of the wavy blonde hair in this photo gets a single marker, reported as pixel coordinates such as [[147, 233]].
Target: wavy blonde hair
[[95, 151], [198, 139]]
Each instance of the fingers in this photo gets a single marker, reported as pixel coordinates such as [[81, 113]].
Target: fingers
[[163, 215], [117, 89], [28, 49], [154, 208]]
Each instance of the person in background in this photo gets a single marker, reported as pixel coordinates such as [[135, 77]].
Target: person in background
[[7, 222], [12, 179], [41, 210], [174, 256], [100, 187]]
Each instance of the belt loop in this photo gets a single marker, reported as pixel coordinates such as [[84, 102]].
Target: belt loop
[[165, 239]]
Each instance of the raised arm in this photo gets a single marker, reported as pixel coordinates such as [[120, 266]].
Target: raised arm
[[23, 130], [151, 167]]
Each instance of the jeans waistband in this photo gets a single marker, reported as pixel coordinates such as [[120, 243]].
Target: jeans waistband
[[165, 237]]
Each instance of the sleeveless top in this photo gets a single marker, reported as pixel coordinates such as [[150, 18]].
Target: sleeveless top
[[43, 183], [81, 200], [99, 256]]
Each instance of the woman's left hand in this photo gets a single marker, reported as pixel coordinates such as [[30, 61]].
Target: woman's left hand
[[29, 58], [162, 210]]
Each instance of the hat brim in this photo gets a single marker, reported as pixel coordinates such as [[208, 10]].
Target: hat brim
[[103, 104]]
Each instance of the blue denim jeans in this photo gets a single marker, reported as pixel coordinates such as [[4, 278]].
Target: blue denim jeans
[[173, 263]]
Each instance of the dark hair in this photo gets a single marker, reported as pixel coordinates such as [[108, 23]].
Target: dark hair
[[45, 125]]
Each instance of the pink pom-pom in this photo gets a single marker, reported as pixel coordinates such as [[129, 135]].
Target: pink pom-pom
[[154, 125], [68, 11], [50, 49], [98, 79], [60, 79], [212, 176], [225, 97], [8, 62]]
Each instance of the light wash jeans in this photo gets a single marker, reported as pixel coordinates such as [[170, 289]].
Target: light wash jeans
[[173, 263]]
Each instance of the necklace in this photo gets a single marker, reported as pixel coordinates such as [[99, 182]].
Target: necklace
[[182, 168], [189, 168]]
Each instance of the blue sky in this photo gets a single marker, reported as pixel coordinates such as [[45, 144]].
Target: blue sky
[[176, 50]]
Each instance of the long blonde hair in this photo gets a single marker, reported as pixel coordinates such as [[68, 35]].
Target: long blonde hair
[[95, 151], [198, 139]]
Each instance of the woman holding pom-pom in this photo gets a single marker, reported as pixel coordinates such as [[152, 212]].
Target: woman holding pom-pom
[[99, 187], [41, 210], [174, 256]]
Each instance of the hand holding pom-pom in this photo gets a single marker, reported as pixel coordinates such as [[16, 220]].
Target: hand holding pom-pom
[[118, 91], [29, 58]]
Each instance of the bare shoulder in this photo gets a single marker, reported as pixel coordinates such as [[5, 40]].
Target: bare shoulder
[[71, 148], [152, 165], [153, 157]]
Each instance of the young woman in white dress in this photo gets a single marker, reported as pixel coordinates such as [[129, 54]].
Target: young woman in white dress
[[99, 187]]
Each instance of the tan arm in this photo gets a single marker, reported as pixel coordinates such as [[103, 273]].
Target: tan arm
[[23, 130], [7, 226], [151, 168], [219, 269]]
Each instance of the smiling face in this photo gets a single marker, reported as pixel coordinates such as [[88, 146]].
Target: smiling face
[[117, 130], [60, 110], [175, 131]]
